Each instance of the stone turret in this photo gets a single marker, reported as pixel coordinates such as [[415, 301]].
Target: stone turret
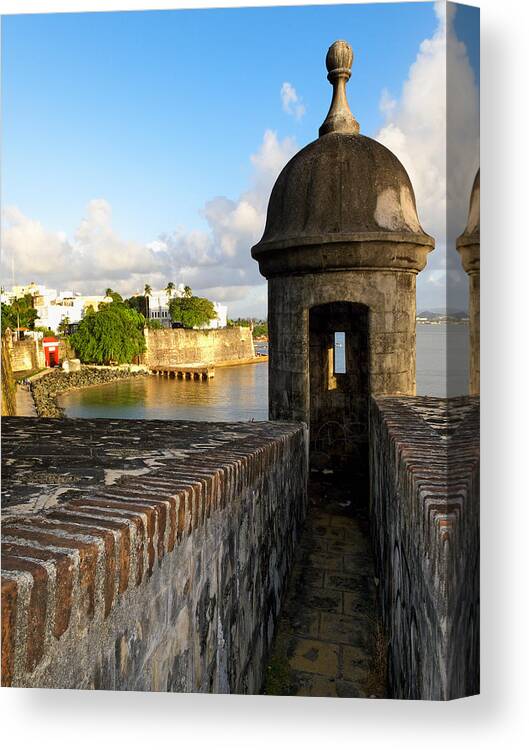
[[468, 247], [341, 250]]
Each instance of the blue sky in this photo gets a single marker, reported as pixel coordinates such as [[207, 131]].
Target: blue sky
[[156, 114]]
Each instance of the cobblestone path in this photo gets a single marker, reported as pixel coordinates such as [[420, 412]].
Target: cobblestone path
[[328, 641]]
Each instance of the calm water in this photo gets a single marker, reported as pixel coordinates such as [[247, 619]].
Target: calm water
[[241, 393]]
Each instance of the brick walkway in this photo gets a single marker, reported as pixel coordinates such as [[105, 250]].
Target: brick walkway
[[327, 639]]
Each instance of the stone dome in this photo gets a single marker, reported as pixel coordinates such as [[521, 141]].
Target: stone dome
[[342, 187]]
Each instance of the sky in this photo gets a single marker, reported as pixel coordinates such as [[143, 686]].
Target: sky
[[141, 147]]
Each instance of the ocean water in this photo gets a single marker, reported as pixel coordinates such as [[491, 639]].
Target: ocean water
[[240, 393]]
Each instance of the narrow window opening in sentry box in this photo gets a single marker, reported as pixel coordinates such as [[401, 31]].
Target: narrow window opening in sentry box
[[339, 353]]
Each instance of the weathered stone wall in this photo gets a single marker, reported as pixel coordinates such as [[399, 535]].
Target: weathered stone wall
[[66, 350], [386, 353], [167, 573], [425, 518], [8, 384], [171, 347], [26, 354], [390, 297]]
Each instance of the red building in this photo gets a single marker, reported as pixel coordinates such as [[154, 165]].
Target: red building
[[51, 351]]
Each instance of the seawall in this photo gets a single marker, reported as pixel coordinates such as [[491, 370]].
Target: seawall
[[26, 354], [178, 346], [425, 520], [152, 556], [45, 387]]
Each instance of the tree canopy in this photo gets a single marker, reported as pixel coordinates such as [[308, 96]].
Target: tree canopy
[[19, 313], [64, 326], [113, 334], [45, 330], [138, 303], [260, 327], [115, 296], [191, 311]]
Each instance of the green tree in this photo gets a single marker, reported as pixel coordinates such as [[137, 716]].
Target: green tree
[[115, 296], [7, 318], [63, 326], [44, 330], [114, 334], [170, 289], [138, 303], [147, 291], [191, 311], [260, 329], [19, 314]]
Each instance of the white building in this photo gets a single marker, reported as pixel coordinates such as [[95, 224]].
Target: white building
[[66, 305], [53, 307], [221, 321], [159, 308], [17, 292]]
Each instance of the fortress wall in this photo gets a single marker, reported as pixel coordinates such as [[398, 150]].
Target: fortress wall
[[179, 346], [425, 519], [26, 354], [166, 580], [8, 384], [66, 350]]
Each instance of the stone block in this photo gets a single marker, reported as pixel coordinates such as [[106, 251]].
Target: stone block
[[306, 655]]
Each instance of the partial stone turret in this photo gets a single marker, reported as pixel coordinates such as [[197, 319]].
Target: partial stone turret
[[468, 246]]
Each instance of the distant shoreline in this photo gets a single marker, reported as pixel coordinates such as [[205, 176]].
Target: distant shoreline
[[442, 322]]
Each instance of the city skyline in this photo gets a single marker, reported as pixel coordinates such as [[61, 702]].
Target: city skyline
[[127, 182]]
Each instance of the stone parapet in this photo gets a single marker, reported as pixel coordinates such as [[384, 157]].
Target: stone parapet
[[146, 555], [425, 517]]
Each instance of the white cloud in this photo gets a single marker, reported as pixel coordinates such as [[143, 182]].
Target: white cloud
[[416, 129], [218, 258], [387, 104], [292, 101], [95, 258], [29, 247], [221, 255], [215, 261]]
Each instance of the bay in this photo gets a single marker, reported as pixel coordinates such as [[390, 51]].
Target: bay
[[240, 393]]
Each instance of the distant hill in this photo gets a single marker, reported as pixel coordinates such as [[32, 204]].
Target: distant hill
[[438, 314]]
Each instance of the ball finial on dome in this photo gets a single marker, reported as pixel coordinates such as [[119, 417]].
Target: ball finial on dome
[[339, 119], [339, 60]]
